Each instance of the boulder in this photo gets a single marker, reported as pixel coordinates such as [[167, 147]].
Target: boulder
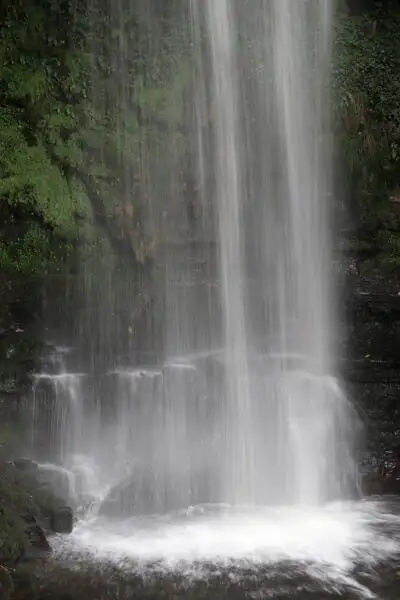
[[36, 544], [26, 465], [62, 520], [29, 511], [56, 479], [54, 515]]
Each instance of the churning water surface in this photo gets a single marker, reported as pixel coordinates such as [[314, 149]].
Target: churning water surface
[[340, 548]]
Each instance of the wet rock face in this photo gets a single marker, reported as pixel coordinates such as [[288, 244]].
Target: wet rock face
[[383, 476], [20, 344], [36, 544], [6, 584], [376, 397], [372, 375], [29, 513]]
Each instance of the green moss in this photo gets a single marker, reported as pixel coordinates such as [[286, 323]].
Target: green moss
[[12, 539]]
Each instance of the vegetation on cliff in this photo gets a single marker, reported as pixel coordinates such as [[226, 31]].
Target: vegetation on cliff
[[65, 146], [74, 162], [367, 83]]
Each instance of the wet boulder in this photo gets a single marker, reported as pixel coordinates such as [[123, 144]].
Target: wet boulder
[[62, 520], [35, 541], [22, 536], [56, 479], [49, 488], [29, 513], [26, 465]]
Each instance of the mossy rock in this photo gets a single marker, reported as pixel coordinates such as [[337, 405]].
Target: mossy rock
[[12, 536], [14, 494], [27, 511], [23, 475], [15, 502]]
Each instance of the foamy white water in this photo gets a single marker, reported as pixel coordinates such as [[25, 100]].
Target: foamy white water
[[328, 543]]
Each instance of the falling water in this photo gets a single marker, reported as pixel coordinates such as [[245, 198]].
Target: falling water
[[267, 70], [57, 402]]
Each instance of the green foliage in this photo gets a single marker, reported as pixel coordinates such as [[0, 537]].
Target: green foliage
[[367, 110], [33, 252], [92, 102], [38, 199], [31, 178], [367, 77], [75, 124]]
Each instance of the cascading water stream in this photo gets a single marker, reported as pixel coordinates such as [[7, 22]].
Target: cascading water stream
[[229, 191]]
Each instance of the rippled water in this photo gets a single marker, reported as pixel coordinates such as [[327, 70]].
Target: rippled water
[[342, 549]]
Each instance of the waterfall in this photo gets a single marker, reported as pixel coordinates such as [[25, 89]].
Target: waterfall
[[213, 377], [208, 443]]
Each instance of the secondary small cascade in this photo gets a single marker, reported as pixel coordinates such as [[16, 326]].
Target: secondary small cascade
[[58, 419]]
